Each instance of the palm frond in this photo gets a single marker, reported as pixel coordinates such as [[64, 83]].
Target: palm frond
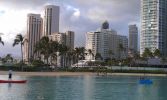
[[1, 41], [16, 42]]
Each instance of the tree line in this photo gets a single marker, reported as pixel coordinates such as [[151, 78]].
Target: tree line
[[51, 50]]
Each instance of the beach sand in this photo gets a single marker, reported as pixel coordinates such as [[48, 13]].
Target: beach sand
[[75, 74], [48, 73]]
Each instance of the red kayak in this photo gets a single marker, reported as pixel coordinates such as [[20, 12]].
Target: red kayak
[[13, 81]]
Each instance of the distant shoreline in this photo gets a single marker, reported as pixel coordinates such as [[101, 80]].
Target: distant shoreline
[[77, 74]]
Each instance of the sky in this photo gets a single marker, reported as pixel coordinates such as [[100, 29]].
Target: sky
[[80, 16]]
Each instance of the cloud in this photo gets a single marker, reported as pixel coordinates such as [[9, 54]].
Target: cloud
[[76, 13], [24, 4]]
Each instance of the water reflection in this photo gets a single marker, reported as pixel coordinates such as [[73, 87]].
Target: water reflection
[[9, 86], [88, 87], [148, 91]]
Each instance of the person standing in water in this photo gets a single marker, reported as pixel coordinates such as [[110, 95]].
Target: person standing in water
[[10, 74]]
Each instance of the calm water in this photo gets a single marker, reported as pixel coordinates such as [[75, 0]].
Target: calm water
[[84, 88]]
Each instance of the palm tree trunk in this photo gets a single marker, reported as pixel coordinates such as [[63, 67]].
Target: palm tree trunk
[[21, 57], [51, 58], [63, 61], [70, 62], [65, 58], [56, 61], [46, 58], [77, 60]]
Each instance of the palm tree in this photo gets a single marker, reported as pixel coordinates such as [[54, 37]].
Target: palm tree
[[63, 52], [1, 41], [19, 40], [157, 53], [70, 57], [90, 52], [110, 52], [44, 48], [82, 53], [98, 56], [79, 54], [54, 50], [121, 50], [147, 53], [9, 57]]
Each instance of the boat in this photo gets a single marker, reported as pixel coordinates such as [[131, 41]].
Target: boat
[[145, 81], [13, 81]]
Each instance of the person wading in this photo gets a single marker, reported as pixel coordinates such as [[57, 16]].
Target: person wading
[[10, 74]]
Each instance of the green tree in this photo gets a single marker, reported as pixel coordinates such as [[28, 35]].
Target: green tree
[[79, 54], [9, 57], [19, 40], [54, 51], [121, 50], [44, 48], [63, 53], [157, 53], [82, 53], [37, 63], [91, 54], [1, 41], [110, 52], [147, 53], [98, 56], [70, 56]]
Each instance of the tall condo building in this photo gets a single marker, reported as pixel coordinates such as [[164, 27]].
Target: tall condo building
[[104, 42], [153, 25], [34, 30], [133, 38], [69, 39], [66, 38], [122, 50], [51, 19]]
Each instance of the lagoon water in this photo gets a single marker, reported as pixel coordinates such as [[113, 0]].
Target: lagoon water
[[84, 88]]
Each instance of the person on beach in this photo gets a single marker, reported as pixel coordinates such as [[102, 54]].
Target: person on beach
[[10, 74]]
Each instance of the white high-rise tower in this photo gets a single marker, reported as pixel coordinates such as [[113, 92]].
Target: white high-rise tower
[[153, 26], [34, 32], [51, 20]]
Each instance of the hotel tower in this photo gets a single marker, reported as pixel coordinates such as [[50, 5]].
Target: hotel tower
[[153, 26], [34, 30], [51, 20], [133, 38]]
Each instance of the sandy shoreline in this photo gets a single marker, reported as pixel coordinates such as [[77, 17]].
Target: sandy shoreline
[[48, 73], [75, 74]]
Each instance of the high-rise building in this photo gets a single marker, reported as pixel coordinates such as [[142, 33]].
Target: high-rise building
[[94, 43], [51, 20], [133, 38], [69, 39], [66, 38], [34, 30], [122, 47], [153, 25], [105, 42], [59, 37]]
